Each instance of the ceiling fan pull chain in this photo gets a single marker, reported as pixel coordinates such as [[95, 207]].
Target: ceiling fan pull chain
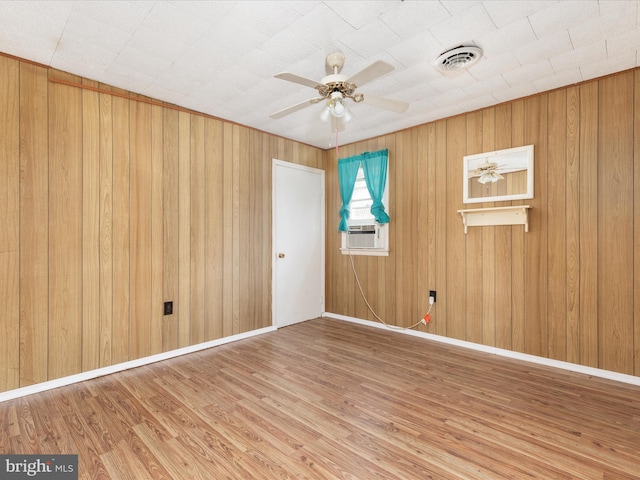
[[337, 144]]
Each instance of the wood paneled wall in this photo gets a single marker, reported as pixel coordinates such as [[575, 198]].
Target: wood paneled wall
[[111, 206], [564, 290]]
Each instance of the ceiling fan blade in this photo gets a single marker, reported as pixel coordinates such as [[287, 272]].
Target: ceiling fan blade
[[337, 124], [385, 103], [292, 77], [373, 71], [295, 108]]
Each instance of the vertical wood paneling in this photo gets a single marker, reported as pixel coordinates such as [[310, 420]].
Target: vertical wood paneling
[[90, 228], [171, 227], [214, 252], [473, 254], [442, 212], [588, 166], [235, 249], [10, 230], [157, 233], [196, 292], [265, 318], [518, 244], [535, 333], [245, 298], [488, 245], [503, 246], [140, 222], [106, 229], [184, 229], [65, 230], [227, 229], [456, 268], [556, 224], [123, 209], [34, 219], [615, 223], [636, 224], [573, 226], [121, 240]]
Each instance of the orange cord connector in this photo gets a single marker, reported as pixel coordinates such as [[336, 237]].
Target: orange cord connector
[[426, 319]]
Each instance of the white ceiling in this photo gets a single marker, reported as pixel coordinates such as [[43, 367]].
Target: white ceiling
[[219, 57]]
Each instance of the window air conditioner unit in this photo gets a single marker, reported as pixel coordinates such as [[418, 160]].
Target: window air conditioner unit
[[364, 236]]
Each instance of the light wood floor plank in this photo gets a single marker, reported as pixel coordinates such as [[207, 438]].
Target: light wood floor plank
[[327, 399]]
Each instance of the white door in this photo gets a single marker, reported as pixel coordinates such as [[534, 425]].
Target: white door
[[298, 243]]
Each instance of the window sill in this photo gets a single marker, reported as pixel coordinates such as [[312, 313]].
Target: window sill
[[372, 252]]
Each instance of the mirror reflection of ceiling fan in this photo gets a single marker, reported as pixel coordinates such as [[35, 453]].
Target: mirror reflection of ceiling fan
[[336, 88], [487, 172]]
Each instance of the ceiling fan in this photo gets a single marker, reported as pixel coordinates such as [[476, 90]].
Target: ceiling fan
[[487, 172], [335, 88]]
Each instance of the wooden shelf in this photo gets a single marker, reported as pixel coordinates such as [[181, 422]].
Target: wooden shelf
[[479, 217]]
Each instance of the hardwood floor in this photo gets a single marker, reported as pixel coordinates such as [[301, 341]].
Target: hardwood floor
[[326, 399]]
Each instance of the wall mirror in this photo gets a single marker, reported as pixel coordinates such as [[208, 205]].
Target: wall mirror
[[498, 176]]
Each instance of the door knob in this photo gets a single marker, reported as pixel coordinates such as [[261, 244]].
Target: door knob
[[281, 255]]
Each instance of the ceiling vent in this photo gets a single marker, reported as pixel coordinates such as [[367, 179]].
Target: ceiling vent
[[458, 58]]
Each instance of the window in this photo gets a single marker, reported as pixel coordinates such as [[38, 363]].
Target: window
[[365, 236]]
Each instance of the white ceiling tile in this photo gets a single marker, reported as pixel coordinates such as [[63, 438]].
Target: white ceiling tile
[[564, 78], [155, 44], [624, 41], [133, 59], [268, 17], [563, 15], [618, 63], [86, 29], [370, 39], [518, 91], [206, 10], [232, 34], [464, 27], [527, 73], [485, 87], [321, 27], [358, 15], [412, 18], [171, 20], [594, 53], [420, 48], [505, 12], [489, 65], [609, 23], [122, 15], [549, 46], [512, 36], [296, 47], [303, 7]]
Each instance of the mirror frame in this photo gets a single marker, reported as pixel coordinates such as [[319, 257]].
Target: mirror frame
[[518, 157]]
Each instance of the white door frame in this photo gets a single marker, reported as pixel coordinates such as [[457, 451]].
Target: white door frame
[[281, 163]]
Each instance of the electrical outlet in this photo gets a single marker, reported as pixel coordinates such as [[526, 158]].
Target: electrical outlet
[[432, 297], [168, 308]]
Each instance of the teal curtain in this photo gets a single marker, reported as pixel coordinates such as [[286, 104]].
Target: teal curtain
[[347, 173], [374, 165]]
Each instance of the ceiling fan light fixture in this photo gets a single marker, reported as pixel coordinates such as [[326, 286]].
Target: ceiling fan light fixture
[[489, 177], [336, 107]]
